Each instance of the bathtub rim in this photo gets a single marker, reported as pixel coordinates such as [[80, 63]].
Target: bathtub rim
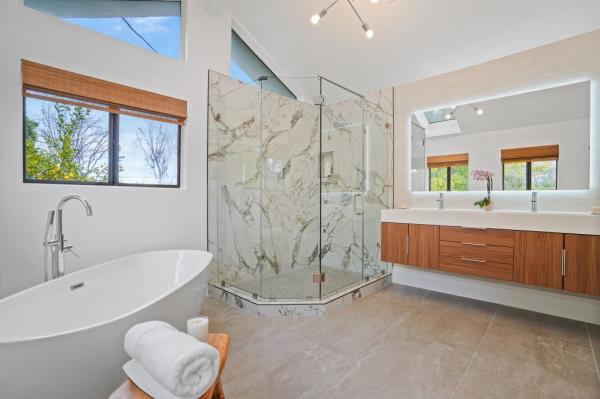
[[115, 319]]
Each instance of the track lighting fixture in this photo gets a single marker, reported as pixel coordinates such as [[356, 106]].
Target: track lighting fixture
[[368, 31], [450, 114]]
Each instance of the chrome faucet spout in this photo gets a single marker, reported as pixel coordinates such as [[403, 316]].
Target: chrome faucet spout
[[56, 245], [534, 201], [440, 201]]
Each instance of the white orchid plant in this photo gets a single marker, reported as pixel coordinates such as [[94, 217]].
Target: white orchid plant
[[488, 177]]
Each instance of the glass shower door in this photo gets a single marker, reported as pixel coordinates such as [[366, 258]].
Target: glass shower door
[[290, 204], [234, 182], [377, 184], [342, 195]]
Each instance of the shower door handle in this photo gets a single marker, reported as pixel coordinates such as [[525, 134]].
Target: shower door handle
[[356, 211]]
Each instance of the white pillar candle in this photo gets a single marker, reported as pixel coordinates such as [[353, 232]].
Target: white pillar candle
[[198, 328]]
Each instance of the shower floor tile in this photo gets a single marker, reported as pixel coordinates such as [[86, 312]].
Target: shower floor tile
[[298, 284], [403, 342]]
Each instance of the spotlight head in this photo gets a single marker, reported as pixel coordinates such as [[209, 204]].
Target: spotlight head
[[448, 116], [317, 17], [374, 1], [479, 111], [368, 32]]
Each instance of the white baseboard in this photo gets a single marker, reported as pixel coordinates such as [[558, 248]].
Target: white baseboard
[[538, 300]]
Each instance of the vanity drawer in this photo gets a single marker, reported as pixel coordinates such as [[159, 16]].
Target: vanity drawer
[[503, 238], [480, 268], [489, 253]]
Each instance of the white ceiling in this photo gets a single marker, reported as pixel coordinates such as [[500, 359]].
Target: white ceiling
[[413, 38], [563, 103]]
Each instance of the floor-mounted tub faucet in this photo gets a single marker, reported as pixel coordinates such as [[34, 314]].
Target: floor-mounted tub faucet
[[54, 238], [534, 200], [440, 201]]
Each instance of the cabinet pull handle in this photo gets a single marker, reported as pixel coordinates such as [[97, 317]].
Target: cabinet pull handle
[[564, 262], [473, 260], [474, 244], [407, 245]]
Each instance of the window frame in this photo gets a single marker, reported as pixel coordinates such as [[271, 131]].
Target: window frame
[[113, 157], [528, 174], [268, 68], [448, 176], [182, 37]]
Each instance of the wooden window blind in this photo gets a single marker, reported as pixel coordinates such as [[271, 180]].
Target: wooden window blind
[[443, 161], [529, 154], [53, 84]]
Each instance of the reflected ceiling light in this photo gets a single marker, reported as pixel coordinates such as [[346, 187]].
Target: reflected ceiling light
[[368, 31], [478, 110], [450, 114]]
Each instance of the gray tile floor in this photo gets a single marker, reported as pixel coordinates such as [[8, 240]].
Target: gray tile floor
[[408, 343]]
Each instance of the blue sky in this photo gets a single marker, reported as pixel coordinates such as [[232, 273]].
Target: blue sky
[[163, 33]]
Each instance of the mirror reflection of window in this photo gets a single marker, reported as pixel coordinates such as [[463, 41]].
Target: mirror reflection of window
[[448, 172], [530, 168], [483, 128]]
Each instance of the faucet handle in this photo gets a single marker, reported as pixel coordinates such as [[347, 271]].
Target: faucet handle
[[70, 249]]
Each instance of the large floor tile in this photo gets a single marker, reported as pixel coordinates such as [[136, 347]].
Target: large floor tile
[[345, 383], [543, 325], [594, 332], [517, 364], [454, 321], [283, 365], [244, 328], [355, 327], [407, 366]]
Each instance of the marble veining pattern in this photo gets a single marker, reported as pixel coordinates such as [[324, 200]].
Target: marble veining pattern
[[269, 214]]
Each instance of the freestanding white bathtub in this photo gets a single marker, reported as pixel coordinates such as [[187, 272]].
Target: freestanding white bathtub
[[64, 339]]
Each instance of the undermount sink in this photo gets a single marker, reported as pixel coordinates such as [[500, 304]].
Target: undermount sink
[[559, 222]]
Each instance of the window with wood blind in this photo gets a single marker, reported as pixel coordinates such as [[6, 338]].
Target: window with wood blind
[[448, 172], [82, 130], [530, 168]]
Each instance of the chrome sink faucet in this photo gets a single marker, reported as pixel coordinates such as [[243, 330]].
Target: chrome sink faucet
[[440, 201], [534, 201], [54, 238]]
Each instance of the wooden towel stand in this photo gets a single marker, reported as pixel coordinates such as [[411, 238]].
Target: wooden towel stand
[[128, 390]]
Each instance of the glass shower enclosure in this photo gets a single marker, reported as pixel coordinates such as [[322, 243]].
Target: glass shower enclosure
[[295, 189]]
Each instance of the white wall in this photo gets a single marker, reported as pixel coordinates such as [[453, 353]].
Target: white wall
[[126, 219], [573, 138], [570, 60]]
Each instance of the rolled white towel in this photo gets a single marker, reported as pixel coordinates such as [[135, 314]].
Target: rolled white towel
[[179, 362]]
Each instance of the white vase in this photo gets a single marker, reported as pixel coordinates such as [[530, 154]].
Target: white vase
[[489, 207]]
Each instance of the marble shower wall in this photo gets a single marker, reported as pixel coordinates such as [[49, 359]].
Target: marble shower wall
[[263, 189], [234, 168], [356, 138], [290, 188], [263, 184]]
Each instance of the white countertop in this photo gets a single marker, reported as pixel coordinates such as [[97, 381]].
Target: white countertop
[[559, 222]]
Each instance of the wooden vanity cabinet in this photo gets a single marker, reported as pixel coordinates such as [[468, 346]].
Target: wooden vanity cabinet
[[569, 262], [582, 264], [538, 258], [394, 242], [410, 244], [423, 245]]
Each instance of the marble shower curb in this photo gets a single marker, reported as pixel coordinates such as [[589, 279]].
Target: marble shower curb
[[297, 308]]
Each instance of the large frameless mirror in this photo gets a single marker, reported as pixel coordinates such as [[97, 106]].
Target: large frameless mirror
[[538, 140]]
